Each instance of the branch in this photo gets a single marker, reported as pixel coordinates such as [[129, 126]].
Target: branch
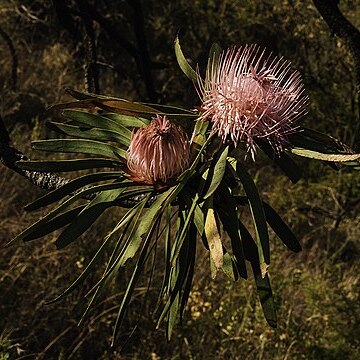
[[341, 27], [9, 156], [14, 58], [91, 67]]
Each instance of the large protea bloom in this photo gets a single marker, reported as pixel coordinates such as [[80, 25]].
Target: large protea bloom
[[158, 152], [249, 96]]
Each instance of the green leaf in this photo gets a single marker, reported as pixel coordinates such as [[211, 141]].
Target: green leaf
[[173, 313], [281, 229], [262, 282], [264, 290], [183, 63], [113, 264], [227, 211], [325, 156], [214, 54], [184, 231], [70, 187], [127, 120], [133, 280], [219, 171], [97, 121], [88, 133], [68, 165], [43, 221], [80, 146], [199, 220], [176, 281], [190, 272], [313, 140], [87, 217], [284, 161], [257, 212], [55, 223], [213, 236], [146, 223], [199, 135], [97, 257], [229, 268], [167, 262]]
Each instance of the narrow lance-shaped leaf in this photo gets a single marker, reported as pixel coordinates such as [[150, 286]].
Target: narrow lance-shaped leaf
[[91, 133], [258, 215], [127, 120], [183, 63], [174, 307], [229, 268], [113, 265], [87, 217], [81, 147], [70, 187], [167, 252], [68, 165], [96, 258], [227, 211], [283, 160], [218, 173], [214, 54], [126, 107], [177, 279], [281, 229], [97, 121], [146, 223], [135, 276], [181, 236], [213, 235], [278, 225], [325, 156], [199, 219], [191, 266], [43, 221], [262, 282], [55, 223]]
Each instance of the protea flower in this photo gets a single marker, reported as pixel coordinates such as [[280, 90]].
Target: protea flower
[[158, 152], [249, 96]]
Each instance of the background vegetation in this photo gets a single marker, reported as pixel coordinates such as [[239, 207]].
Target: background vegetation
[[316, 291]]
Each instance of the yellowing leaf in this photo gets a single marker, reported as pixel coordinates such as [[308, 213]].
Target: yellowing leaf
[[214, 238]]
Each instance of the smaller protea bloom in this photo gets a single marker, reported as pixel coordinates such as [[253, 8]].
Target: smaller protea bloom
[[248, 96], [158, 152]]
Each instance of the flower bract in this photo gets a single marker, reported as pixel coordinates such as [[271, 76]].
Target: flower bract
[[158, 152]]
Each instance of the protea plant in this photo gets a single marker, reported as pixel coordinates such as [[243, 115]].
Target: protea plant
[[183, 189]]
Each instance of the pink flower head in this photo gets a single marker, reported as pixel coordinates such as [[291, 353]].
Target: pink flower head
[[158, 152], [248, 96]]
